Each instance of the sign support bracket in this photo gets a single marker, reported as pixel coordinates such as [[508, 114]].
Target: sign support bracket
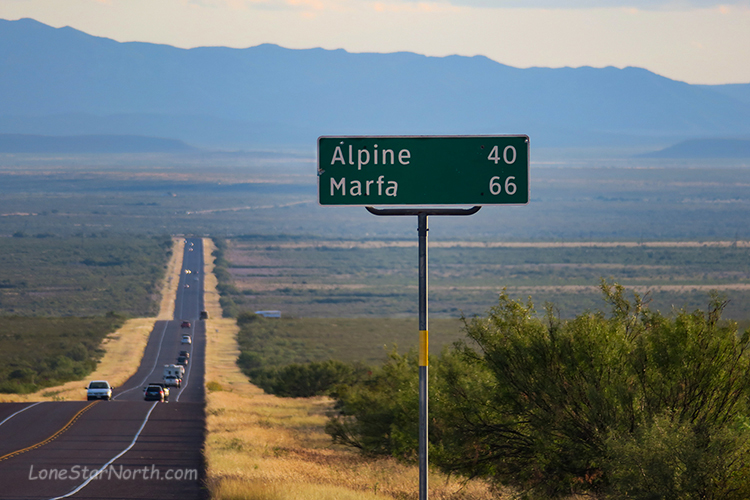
[[422, 214]]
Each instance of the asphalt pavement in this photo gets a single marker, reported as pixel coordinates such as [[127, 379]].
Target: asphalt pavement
[[126, 448]]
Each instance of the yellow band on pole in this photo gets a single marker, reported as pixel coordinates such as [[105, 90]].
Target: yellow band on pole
[[423, 350]]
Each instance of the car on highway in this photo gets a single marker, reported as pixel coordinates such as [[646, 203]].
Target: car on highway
[[185, 324], [182, 361], [156, 392], [184, 353], [173, 375], [204, 315], [186, 339], [98, 389]]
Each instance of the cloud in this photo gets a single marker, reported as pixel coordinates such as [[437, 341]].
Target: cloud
[[239, 5], [413, 6]]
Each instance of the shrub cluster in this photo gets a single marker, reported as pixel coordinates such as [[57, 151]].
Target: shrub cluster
[[82, 276], [43, 352], [279, 368], [632, 404], [225, 287]]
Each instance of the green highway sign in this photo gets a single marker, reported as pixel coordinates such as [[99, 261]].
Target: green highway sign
[[423, 170]]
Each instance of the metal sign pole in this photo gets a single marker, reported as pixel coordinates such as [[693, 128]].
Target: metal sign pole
[[423, 355], [422, 229]]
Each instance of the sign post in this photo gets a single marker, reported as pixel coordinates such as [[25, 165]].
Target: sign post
[[423, 170]]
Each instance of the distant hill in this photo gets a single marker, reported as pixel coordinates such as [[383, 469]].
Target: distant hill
[[737, 91], [65, 82], [705, 148], [23, 143]]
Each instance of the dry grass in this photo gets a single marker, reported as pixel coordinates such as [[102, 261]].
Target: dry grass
[[171, 280], [210, 295], [123, 348], [259, 446]]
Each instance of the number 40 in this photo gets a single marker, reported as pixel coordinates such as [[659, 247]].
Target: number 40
[[509, 155]]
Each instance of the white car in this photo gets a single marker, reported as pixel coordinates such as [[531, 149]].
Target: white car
[[99, 389], [186, 339]]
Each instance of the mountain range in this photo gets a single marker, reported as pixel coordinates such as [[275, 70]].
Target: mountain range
[[63, 82]]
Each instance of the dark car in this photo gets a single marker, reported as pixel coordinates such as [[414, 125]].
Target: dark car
[[156, 392], [185, 353], [185, 324], [182, 360], [204, 315]]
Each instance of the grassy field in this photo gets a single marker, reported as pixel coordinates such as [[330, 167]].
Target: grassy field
[[81, 276], [367, 340], [60, 298], [42, 352], [122, 349], [378, 278], [262, 447]]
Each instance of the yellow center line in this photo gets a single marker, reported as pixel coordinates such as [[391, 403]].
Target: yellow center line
[[52, 437]]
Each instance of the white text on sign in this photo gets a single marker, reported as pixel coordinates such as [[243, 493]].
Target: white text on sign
[[387, 156]]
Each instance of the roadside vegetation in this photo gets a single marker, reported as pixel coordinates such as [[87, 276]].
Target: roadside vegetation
[[301, 357], [625, 402], [123, 348], [58, 298], [43, 352], [264, 447], [82, 276], [630, 404]]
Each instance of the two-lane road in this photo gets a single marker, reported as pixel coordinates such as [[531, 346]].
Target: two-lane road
[[144, 450]]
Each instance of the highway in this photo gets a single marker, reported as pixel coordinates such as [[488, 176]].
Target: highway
[[126, 448]]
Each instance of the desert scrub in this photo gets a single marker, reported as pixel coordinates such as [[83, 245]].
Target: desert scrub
[[43, 352], [632, 404]]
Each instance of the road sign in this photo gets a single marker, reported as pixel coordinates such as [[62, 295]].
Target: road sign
[[423, 170]]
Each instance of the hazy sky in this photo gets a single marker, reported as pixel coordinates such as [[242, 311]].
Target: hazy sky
[[696, 41]]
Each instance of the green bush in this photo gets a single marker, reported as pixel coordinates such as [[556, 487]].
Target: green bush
[[43, 352], [380, 414], [284, 368], [302, 380], [299, 380], [627, 405], [225, 285]]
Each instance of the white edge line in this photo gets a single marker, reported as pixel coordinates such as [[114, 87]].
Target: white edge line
[[93, 476], [156, 360], [21, 411]]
